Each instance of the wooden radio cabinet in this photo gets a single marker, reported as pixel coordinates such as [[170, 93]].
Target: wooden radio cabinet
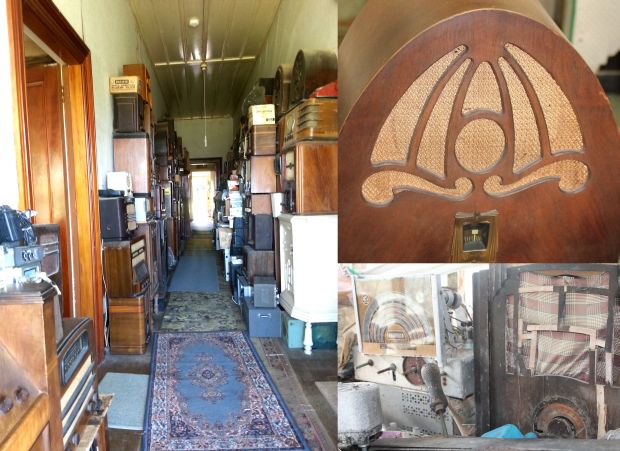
[[262, 174], [39, 412], [125, 270], [473, 109], [129, 325], [310, 178], [132, 154]]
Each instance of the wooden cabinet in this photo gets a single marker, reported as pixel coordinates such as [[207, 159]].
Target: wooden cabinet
[[129, 325], [310, 178], [125, 270], [263, 139], [262, 174], [132, 154], [139, 70], [258, 263], [29, 361], [173, 237], [148, 230]]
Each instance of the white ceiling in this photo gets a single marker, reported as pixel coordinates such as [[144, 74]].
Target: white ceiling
[[230, 36]]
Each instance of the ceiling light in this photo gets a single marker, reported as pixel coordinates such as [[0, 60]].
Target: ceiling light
[[194, 22]]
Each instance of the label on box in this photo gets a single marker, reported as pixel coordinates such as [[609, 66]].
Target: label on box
[[125, 85]]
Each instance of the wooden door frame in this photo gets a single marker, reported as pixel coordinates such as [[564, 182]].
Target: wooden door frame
[[47, 22]]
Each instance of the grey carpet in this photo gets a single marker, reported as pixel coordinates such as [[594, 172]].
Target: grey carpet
[[129, 402], [329, 390], [196, 273]]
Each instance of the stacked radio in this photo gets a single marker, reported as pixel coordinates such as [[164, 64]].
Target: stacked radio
[[284, 163]]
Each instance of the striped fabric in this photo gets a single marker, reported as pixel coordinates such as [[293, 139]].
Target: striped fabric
[[561, 353]]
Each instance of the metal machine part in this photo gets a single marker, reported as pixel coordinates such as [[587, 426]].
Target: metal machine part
[[409, 410], [457, 374], [359, 414], [412, 367], [431, 375], [557, 417]]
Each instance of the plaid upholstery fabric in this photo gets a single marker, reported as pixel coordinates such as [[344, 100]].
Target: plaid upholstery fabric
[[563, 354], [532, 279], [539, 308], [587, 310]]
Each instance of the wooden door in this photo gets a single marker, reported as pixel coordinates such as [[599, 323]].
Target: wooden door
[[46, 160]]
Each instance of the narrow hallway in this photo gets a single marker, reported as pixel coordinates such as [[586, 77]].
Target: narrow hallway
[[206, 317]]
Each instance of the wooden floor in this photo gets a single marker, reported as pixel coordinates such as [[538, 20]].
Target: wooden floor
[[320, 366]]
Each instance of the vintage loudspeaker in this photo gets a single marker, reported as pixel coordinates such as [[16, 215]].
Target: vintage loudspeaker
[[161, 142], [548, 338], [312, 69], [257, 263], [264, 291], [263, 232], [128, 113], [282, 88], [465, 134]]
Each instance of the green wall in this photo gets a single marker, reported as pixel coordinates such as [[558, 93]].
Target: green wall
[[219, 136], [110, 31]]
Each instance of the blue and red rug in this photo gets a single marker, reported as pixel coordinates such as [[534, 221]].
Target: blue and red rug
[[210, 391]]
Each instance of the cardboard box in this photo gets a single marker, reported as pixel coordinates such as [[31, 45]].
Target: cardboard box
[[262, 115], [125, 85]]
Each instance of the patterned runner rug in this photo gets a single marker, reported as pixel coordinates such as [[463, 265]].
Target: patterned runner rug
[[210, 391]]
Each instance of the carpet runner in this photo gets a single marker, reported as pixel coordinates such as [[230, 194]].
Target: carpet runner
[[210, 391]]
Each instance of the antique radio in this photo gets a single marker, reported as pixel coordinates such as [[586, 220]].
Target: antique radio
[[547, 337], [404, 322], [262, 232], [259, 204], [257, 263], [263, 140], [480, 110], [140, 71], [132, 153], [282, 88], [313, 119], [161, 139], [117, 217], [164, 165], [312, 69], [263, 176], [124, 267], [167, 189], [264, 291], [129, 325], [172, 236], [161, 255], [78, 382], [149, 231], [310, 178], [128, 113]]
